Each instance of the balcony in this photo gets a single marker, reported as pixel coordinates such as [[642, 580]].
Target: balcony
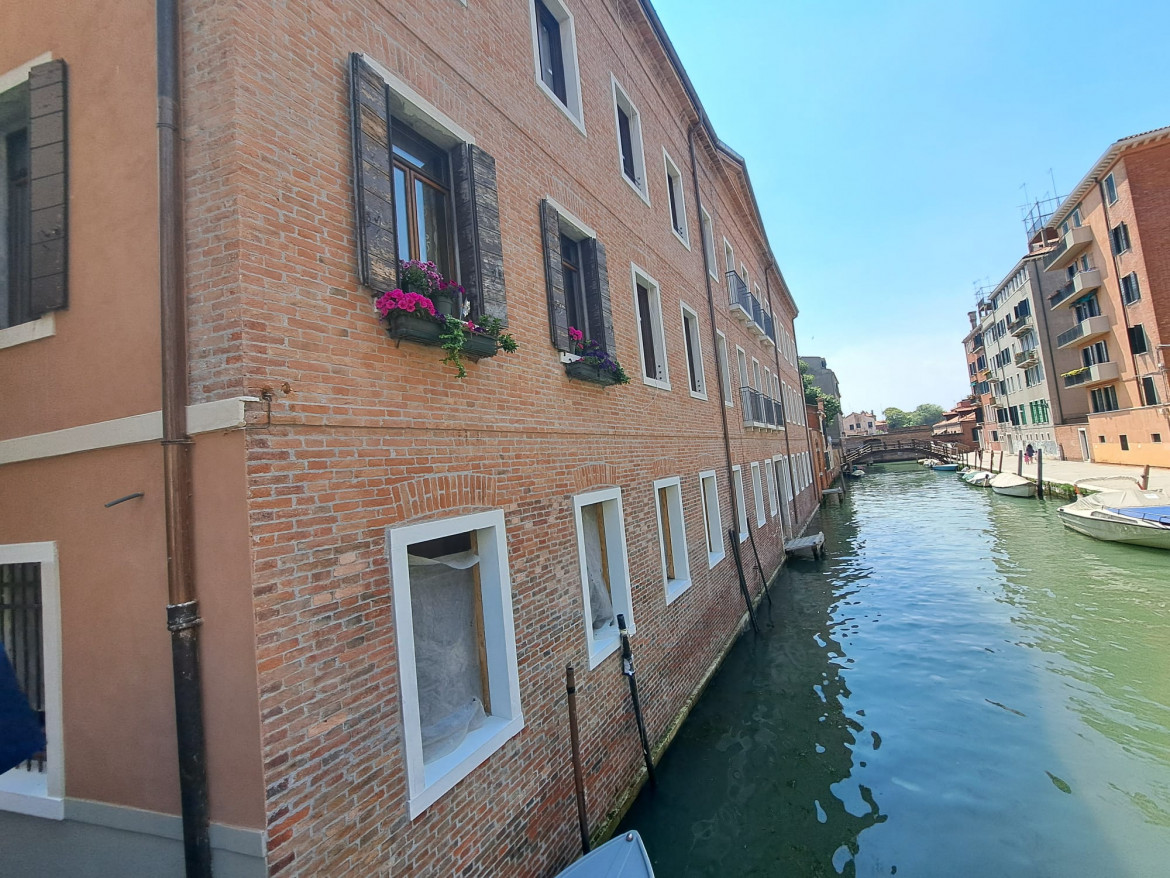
[[741, 297], [753, 407], [1024, 359], [1084, 331], [1020, 325], [1072, 245], [1061, 295], [1098, 373], [1086, 282], [769, 329]]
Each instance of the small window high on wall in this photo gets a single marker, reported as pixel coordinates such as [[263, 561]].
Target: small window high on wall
[[672, 537], [740, 504], [456, 648], [712, 517], [605, 572], [554, 48]]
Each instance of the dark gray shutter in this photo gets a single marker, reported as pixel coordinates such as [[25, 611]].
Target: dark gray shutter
[[48, 188], [477, 220], [558, 314], [373, 176], [597, 292]]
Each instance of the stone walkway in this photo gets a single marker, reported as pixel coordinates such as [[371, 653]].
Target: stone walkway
[[1070, 471]]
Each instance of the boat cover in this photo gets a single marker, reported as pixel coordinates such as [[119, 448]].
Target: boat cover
[[1156, 514], [621, 857], [1008, 480], [1151, 505]]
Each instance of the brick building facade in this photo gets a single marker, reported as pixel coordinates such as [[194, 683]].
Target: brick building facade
[[351, 495]]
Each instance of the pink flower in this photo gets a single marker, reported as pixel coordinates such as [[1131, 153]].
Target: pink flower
[[576, 335]]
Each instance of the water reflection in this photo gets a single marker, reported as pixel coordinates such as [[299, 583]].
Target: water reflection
[[963, 688]]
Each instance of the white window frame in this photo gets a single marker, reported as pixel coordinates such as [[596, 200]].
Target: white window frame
[[674, 180], [743, 274], [700, 379], [656, 331], [758, 495], [789, 486], [724, 368], [728, 256], [740, 502], [678, 537], [712, 517], [707, 228], [426, 784], [773, 500], [42, 794], [1110, 188], [600, 648], [621, 98], [573, 107]]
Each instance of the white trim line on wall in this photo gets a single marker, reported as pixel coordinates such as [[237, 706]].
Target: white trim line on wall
[[44, 326], [204, 417], [237, 839]]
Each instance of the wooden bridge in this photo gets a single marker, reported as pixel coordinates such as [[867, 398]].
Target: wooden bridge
[[879, 449]]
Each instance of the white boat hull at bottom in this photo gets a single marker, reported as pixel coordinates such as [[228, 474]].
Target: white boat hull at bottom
[[1112, 529], [1012, 486]]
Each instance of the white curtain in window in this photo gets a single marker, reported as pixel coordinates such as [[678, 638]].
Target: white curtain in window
[[444, 606], [600, 602]]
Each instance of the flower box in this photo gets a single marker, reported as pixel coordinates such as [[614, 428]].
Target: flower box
[[582, 371], [479, 345], [421, 328]]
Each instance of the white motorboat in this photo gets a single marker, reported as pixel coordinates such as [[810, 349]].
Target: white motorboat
[[1011, 485], [978, 478], [623, 856], [1134, 516]]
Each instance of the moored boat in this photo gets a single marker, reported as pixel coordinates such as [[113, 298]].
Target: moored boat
[[1011, 485], [979, 478], [944, 467], [1134, 516], [623, 856]]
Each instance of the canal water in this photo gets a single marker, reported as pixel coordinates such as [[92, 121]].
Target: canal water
[[963, 687]]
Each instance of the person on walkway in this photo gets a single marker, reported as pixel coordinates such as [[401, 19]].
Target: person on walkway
[[1028, 453]]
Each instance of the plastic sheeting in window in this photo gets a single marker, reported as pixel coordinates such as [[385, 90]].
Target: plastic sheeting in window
[[444, 605], [600, 602]]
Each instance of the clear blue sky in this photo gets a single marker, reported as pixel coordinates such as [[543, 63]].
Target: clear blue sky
[[888, 141]]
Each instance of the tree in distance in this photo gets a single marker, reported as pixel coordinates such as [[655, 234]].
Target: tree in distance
[[925, 415]]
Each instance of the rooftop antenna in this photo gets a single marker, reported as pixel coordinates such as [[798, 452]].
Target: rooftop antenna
[[1052, 177]]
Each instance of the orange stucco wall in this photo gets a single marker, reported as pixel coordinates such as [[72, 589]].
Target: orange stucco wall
[[117, 685], [103, 361], [1139, 426]]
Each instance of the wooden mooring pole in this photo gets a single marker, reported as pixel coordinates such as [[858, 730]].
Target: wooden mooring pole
[[1039, 473], [628, 671], [733, 536], [578, 772], [1020, 464], [1000, 461], [1146, 478]]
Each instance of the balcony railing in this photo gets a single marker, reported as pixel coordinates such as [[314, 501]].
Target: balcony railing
[[1070, 246], [1061, 295], [1020, 325], [1026, 358], [741, 297], [1098, 373], [770, 328], [1083, 331], [753, 407]]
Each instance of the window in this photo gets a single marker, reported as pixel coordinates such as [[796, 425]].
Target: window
[[30, 632], [629, 136], [405, 207], [456, 648], [773, 500], [1104, 399], [1138, 343], [1110, 190], [724, 368], [605, 570], [1120, 236], [1098, 352], [576, 278], [1155, 437], [712, 518], [1124, 442], [744, 379], [709, 243], [758, 495], [33, 209], [672, 537], [728, 257], [677, 200], [740, 503], [554, 47], [1130, 291], [648, 305], [694, 352], [1149, 391]]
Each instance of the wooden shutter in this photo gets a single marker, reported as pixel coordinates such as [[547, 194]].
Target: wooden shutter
[[373, 176], [48, 188], [477, 229], [593, 267], [558, 313]]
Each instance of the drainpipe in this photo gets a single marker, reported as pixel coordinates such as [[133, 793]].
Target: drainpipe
[[182, 604], [714, 333], [770, 266]]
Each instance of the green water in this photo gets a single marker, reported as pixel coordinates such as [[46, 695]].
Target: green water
[[964, 687]]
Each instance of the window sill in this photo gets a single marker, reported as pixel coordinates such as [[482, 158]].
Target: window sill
[[743, 537], [654, 382], [675, 589], [560, 105], [23, 333], [27, 792], [603, 648], [714, 558], [442, 774], [685, 241], [641, 192], [696, 394]]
